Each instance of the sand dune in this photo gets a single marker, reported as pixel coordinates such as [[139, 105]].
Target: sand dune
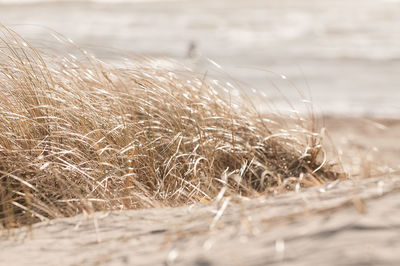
[[344, 223]]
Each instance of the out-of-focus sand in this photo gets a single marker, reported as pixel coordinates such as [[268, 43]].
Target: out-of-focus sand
[[366, 142], [345, 223], [352, 222]]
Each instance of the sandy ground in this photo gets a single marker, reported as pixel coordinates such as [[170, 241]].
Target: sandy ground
[[345, 223], [352, 222], [366, 142]]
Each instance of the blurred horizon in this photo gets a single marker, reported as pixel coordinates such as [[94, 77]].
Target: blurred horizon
[[345, 54]]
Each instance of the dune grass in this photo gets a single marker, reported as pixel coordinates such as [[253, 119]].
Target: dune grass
[[78, 135]]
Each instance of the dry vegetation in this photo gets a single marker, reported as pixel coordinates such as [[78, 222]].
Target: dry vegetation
[[78, 135]]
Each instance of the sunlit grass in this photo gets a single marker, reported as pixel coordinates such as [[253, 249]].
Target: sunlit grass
[[78, 135]]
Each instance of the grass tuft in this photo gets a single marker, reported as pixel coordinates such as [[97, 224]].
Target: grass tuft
[[78, 135]]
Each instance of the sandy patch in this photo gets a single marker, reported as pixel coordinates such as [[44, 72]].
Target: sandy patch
[[344, 223]]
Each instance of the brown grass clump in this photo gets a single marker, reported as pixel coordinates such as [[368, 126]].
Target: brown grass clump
[[78, 135]]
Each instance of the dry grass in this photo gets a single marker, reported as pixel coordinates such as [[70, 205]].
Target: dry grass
[[78, 135]]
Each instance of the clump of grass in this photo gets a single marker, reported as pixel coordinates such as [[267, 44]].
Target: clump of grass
[[78, 135]]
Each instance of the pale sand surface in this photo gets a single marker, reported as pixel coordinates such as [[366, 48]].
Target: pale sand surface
[[353, 222], [366, 140], [317, 227]]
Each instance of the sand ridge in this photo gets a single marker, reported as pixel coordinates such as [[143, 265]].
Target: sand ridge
[[342, 223]]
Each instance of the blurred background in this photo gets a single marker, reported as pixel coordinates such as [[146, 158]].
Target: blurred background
[[344, 55]]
